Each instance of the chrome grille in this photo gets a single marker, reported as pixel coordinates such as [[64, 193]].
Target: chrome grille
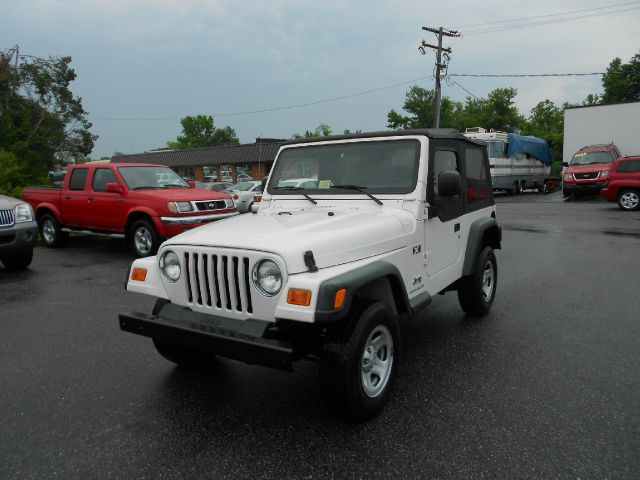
[[220, 282], [211, 205], [7, 218]]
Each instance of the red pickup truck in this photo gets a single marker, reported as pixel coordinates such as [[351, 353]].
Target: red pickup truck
[[140, 202]]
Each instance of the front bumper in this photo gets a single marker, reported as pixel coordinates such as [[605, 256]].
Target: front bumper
[[196, 218], [583, 188], [18, 239], [242, 340]]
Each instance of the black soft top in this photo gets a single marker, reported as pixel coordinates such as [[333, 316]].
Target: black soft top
[[449, 133]]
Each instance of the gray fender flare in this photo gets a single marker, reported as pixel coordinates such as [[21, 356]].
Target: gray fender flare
[[357, 278], [484, 231]]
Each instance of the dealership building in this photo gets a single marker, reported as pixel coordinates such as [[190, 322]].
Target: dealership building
[[253, 159]]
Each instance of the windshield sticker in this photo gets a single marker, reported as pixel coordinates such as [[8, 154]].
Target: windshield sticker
[[324, 184]]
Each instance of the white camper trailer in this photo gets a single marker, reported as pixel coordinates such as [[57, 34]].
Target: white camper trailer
[[516, 162]]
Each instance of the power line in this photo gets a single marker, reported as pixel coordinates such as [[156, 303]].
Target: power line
[[276, 109], [357, 94], [525, 75], [544, 22], [545, 16]]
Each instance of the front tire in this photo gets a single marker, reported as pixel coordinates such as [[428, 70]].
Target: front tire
[[360, 362], [18, 262], [144, 238], [51, 232], [629, 199], [478, 290]]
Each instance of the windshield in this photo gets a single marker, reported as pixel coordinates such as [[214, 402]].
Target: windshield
[[588, 158], [148, 178], [389, 166]]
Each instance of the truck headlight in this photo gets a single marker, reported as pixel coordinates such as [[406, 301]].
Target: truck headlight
[[24, 213], [170, 266], [267, 277], [567, 176], [180, 207]]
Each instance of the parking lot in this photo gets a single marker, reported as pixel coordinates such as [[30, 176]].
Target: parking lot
[[547, 385]]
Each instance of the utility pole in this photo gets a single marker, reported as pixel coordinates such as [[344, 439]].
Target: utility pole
[[440, 32]]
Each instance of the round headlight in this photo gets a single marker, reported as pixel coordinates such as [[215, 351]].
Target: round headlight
[[267, 277], [170, 266]]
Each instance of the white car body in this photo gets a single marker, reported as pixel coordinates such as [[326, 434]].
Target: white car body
[[244, 197]]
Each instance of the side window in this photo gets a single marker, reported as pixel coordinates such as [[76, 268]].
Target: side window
[[478, 180], [101, 177], [78, 179], [629, 166]]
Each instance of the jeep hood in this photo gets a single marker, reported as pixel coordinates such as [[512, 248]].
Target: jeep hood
[[335, 236]]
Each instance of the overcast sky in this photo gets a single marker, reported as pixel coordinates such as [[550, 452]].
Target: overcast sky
[[143, 64]]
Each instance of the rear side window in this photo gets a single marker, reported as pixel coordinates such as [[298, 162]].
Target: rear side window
[[478, 179], [101, 177], [629, 166], [78, 179]]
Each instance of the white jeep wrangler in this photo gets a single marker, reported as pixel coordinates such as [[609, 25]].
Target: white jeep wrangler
[[327, 266]]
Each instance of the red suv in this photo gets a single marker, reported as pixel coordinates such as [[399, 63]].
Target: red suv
[[624, 183], [588, 170]]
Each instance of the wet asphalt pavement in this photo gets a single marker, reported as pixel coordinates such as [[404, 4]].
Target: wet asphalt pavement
[[546, 386]]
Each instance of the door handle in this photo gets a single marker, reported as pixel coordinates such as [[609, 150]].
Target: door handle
[[67, 197], [456, 227], [90, 199]]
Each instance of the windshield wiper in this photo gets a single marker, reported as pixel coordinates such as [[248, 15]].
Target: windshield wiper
[[171, 185], [146, 187], [297, 189], [360, 189]]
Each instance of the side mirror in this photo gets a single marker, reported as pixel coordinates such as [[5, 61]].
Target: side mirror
[[191, 183], [113, 187], [449, 183], [565, 164]]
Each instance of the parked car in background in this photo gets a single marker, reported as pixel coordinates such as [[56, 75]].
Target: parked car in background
[[245, 194], [588, 170], [624, 183], [243, 177], [18, 233], [140, 202], [215, 186]]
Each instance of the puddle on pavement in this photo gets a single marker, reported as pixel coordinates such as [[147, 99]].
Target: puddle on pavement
[[623, 233]]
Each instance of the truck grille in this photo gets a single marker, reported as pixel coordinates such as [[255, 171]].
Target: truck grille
[[220, 282], [211, 205], [7, 218], [585, 176]]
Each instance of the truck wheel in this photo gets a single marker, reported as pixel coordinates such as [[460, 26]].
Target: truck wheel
[[477, 291], [176, 354], [360, 362], [629, 199], [144, 238], [18, 262], [51, 233]]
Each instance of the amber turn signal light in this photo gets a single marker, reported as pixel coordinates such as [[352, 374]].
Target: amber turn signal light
[[340, 296], [300, 297], [139, 274]]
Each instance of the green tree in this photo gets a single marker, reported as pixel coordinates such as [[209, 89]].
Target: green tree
[[322, 130], [547, 122], [42, 124], [419, 105], [497, 111], [621, 82], [199, 132], [13, 175]]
